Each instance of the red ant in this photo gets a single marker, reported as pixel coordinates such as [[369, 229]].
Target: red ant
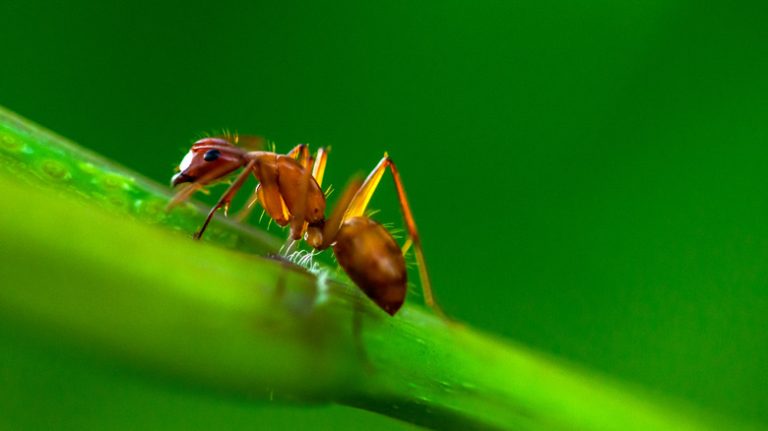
[[290, 193]]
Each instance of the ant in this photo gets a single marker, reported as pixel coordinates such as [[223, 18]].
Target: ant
[[289, 191]]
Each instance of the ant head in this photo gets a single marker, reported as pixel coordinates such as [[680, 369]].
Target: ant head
[[208, 160]]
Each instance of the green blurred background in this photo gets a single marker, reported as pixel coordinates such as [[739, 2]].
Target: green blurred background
[[589, 179]]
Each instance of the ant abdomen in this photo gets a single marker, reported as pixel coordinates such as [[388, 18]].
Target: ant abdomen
[[373, 260]]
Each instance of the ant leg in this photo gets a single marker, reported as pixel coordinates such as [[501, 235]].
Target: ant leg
[[268, 192], [360, 203], [318, 167], [298, 223], [247, 142], [300, 153], [333, 223], [182, 195], [250, 142], [190, 189], [246, 211], [318, 170], [227, 197], [299, 213]]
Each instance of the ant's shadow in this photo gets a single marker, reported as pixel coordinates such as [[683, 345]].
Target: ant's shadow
[[319, 325]]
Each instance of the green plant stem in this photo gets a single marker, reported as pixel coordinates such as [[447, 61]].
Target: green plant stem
[[36, 156], [151, 299]]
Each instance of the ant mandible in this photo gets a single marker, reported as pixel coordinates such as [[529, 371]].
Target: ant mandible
[[289, 191]]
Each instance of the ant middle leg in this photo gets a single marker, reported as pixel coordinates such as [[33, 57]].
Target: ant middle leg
[[318, 165], [299, 223], [301, 154]]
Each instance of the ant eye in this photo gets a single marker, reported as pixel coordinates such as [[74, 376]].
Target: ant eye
[[211, 155]]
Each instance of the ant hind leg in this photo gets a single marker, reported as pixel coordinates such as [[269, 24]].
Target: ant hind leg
[[360, 202]]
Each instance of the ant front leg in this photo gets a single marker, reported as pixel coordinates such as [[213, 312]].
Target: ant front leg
[[183, 195], [190, 189], [226, 198], [301, 154]]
